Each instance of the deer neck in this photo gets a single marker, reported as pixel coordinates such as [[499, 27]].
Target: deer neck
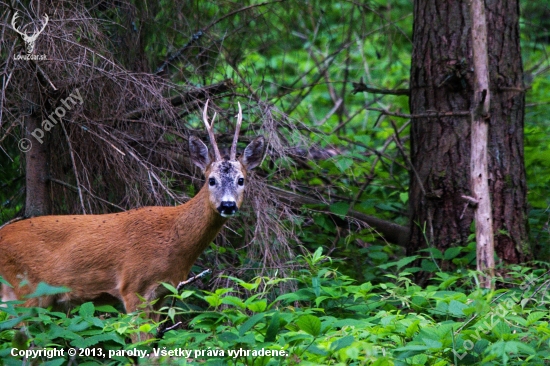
[[196, 227]]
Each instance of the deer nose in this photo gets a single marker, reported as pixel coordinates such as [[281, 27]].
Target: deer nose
[[227, 208]]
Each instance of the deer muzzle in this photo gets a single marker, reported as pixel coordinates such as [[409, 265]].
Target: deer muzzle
[[228, 208]]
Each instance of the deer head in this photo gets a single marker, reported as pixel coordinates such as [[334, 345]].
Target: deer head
[[29, 40], [225, 176]]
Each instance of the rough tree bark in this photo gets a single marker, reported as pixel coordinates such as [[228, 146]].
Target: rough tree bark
[[37, 200], [442, 81]]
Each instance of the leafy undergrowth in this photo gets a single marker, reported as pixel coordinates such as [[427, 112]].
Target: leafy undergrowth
[[330, 320]]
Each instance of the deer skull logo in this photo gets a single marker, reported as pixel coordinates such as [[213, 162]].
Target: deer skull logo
[[29, 40]]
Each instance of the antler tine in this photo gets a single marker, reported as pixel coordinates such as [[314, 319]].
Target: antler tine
[[46, 18], [15, 16], [233, 155], [210, 132], [35, 35]]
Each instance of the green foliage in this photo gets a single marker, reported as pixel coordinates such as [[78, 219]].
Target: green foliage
[[11, 184], [329, 319], [535, 46]]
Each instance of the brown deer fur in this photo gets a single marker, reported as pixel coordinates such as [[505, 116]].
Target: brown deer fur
[[120, 254]]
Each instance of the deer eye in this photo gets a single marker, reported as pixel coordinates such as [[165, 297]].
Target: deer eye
[[241, 181], [212, 182]]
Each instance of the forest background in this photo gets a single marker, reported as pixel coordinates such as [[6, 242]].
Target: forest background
[[331, 259]]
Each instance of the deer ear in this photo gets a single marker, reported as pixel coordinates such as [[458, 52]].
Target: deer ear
[[198, 152], [254, 153]]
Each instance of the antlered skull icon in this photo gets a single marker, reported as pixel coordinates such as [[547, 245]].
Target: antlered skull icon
[[29, 40]]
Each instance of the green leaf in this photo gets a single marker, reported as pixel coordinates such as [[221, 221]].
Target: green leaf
[[433, 252], [514, 319], [309, 324], [511, 347], [432, 343], [145, 328], [86, 310], [186, 294], [342, 343], [233, 300], [300, 295], [257, 306], [320, 299], [317, 255], [535, 316], [525, 348], [362, 138], [343, 164], [54, 362], [228, 337], [246, 285], [428, 265], [106, 309], [316, 284], [44, 289], [172, 313], [272, 328], [412, 328], [450, 253], [412, 347], [247, 325], [90, 341], [441, 308], [404, 261], [380, 256], [501, 329], [67, 333], [248, 339], [456, 308], [8, 324], [213, 300], [317, 351], [78, 325], [347, 323], [170, 288], [339, 208], [4, 282]]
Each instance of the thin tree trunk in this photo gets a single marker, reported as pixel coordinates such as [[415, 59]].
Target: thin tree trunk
[[480, 129]]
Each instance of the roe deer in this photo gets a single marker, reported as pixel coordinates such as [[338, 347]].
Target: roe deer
[[122, 255]]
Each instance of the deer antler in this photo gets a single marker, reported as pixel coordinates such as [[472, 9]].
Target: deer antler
[[25, 36], [15, 16], [211, 132], [233, 154], [35, 35]]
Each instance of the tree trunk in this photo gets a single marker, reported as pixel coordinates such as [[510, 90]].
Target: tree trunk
[[442, 81], [479, 171], [37, 197], [37, 201]]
